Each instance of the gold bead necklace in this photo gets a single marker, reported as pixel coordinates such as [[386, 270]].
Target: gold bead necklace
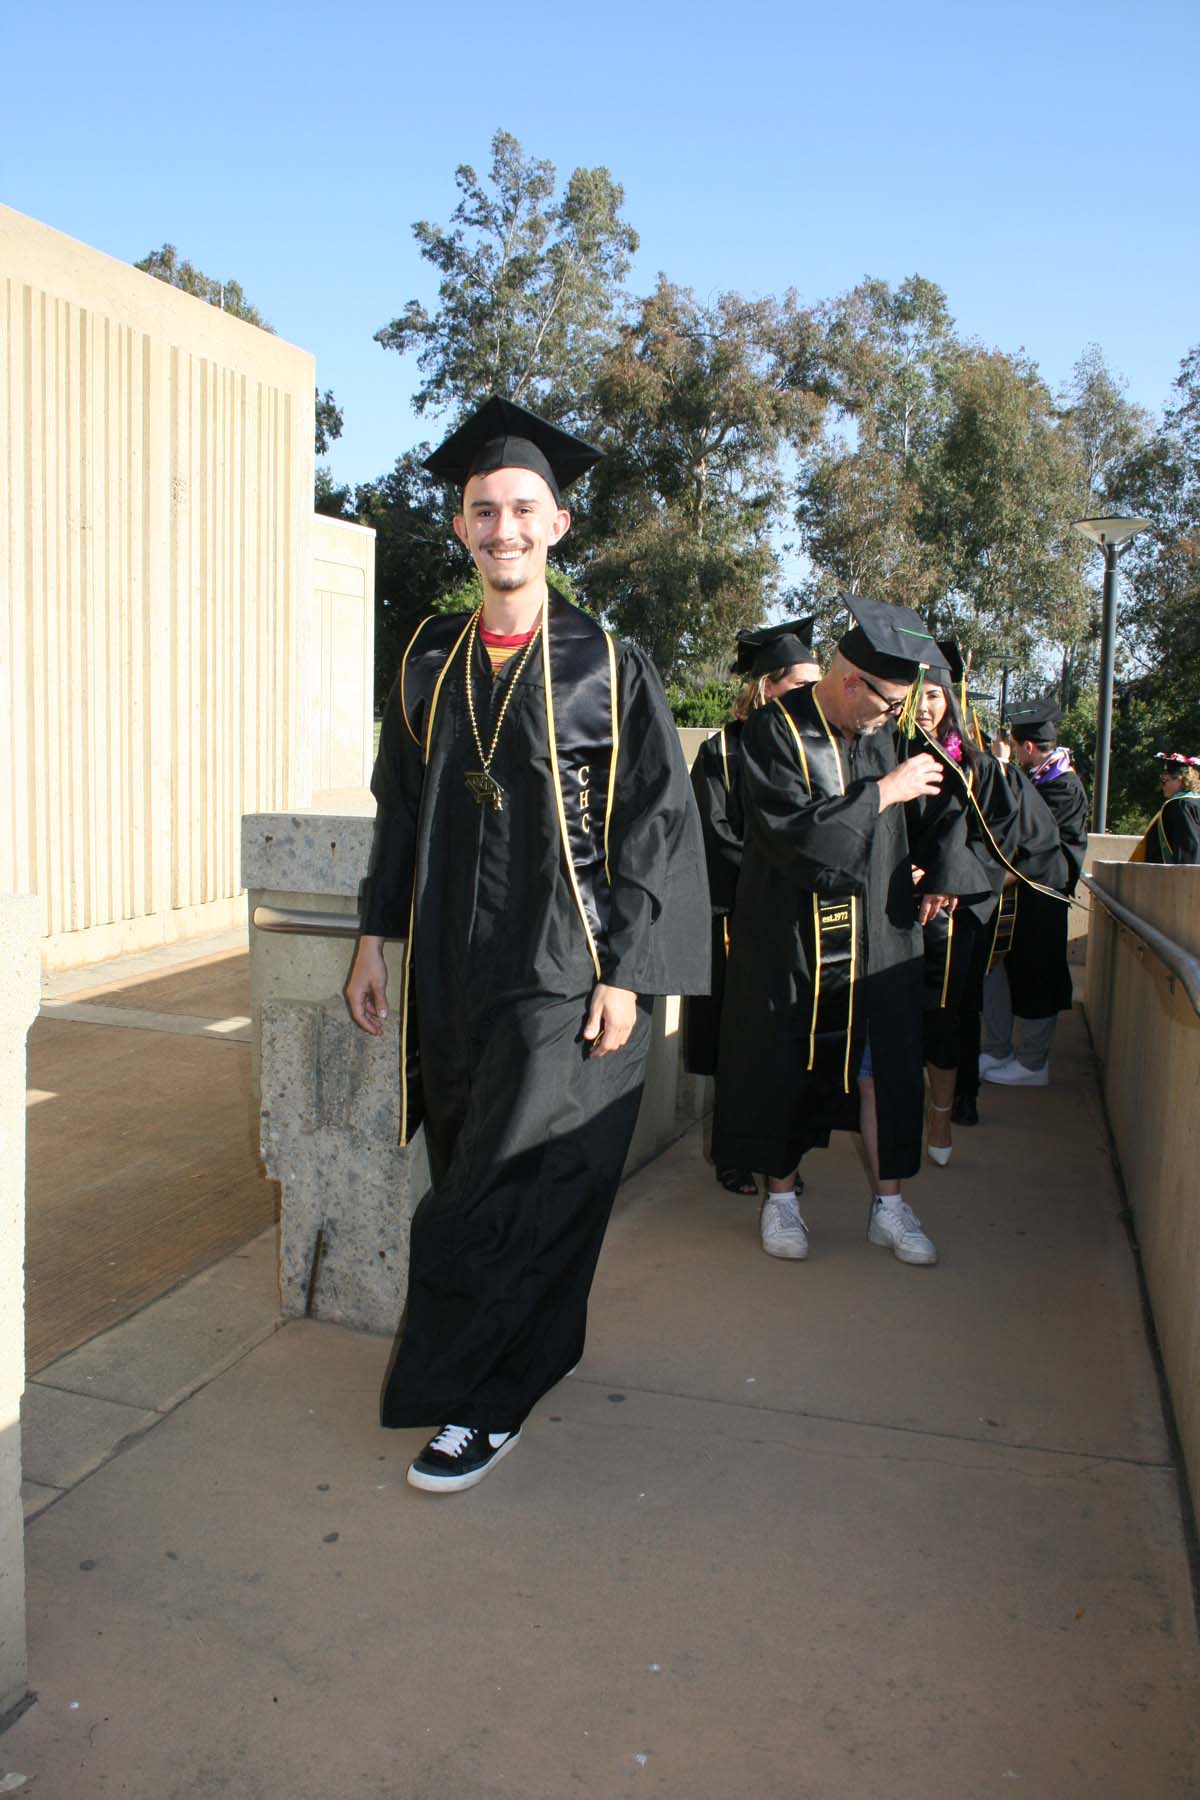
[[481, 783]]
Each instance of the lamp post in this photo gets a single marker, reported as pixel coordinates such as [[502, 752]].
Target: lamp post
[[1110, 535]]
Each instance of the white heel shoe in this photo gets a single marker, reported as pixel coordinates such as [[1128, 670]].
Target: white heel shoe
[[939, 1153]]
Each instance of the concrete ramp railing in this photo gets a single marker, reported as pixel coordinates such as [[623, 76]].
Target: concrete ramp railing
[[1144, 1013]]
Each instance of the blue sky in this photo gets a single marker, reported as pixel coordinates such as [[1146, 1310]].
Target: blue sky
[[1037, 161]]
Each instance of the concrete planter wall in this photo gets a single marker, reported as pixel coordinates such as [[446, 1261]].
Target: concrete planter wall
[[330, 1095], [1147, 1038], [20, 930]]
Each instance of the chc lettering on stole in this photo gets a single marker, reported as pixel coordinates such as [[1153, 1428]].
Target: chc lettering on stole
[[585, 784]]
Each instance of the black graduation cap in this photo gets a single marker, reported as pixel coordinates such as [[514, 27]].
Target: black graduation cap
[[956, 667], [1036, 719], [503, 435], [771, 647], [889, 641]]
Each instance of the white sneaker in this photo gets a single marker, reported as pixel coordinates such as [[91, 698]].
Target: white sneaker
[[781, 1228], [897, 1226], [987, 1061], [1015, 1074]]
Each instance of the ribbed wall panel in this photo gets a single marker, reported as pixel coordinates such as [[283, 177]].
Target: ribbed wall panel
[[155, 473]]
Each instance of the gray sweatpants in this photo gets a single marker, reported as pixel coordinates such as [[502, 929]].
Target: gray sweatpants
[[1037, 1035]]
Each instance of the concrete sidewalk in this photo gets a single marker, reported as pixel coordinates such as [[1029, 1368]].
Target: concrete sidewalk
[[841, 1529]]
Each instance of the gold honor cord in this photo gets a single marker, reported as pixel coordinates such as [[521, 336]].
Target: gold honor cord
[[558, 797], [1006, 925], [725, 756], [835, 932], [406, 979], [949, 958], [405, 1002], [403, 672], [613, 701], [1037, 886]]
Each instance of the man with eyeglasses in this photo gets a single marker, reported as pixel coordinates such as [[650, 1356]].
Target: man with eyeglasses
[[822, 1023]]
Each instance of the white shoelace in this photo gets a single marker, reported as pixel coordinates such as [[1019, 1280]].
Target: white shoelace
[[904, 1216], [452, 1440]]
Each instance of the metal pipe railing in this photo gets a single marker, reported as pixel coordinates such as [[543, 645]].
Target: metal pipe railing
[[1181, 965], [306, 924]]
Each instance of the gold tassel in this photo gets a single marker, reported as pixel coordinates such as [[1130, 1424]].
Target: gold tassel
[[907, 722]]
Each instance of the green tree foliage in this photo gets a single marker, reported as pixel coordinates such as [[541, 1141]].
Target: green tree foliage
[[418, 559], [999, 490], [695, 404], [1159, 680], [328, 419], [530, 286], [883, 362], [229, 296]]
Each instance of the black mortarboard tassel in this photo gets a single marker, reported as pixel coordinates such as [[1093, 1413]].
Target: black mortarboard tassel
[[771, 647], [890, 641], [503, 435], [1036, 719]]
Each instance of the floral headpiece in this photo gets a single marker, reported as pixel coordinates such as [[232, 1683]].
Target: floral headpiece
[[1177, 756]]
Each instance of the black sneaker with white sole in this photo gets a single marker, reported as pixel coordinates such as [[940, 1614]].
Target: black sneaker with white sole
[[458, 1457]]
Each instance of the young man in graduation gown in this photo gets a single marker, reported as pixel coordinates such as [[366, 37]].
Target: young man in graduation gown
[[1033, 985], [771, 659], [537, 846], [1173, 834], [823, 1000]]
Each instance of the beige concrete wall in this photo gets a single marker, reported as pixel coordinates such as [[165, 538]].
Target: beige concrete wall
[[343, 592], [1147, 1038], [20, 930], [1103, 846], [155, 521]]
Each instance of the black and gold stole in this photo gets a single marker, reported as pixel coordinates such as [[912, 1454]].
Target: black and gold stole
[[579, 670], [833, 923]]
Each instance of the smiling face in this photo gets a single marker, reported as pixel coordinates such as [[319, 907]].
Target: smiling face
[[508, 522], [931, 707]]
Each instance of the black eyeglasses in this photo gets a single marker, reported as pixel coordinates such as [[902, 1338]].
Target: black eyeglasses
[[895, 707]]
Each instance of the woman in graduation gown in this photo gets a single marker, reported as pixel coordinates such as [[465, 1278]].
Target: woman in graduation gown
[[771, 660], [952, 940], [1173, 835]]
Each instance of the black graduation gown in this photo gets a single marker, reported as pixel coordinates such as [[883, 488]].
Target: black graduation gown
[[1039, 977], [716, 785], [1027, 835], [527, 1134], [952, 941], [806, 840], [1174, 837]]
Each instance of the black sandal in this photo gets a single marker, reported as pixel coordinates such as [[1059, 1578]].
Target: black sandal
[[738, 1181]]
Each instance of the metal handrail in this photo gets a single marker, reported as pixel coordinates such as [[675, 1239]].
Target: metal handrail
[[307, 924], [1180, 963]]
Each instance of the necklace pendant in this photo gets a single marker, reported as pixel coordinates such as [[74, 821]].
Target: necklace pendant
[[483, 787]]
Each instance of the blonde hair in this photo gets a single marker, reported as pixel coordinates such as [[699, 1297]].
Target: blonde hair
[[753, 692], [1191, 779]]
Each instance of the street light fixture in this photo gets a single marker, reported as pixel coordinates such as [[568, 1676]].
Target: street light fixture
[[1109, 535]]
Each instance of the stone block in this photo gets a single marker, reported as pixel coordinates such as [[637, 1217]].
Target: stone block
[[330, 1131]]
